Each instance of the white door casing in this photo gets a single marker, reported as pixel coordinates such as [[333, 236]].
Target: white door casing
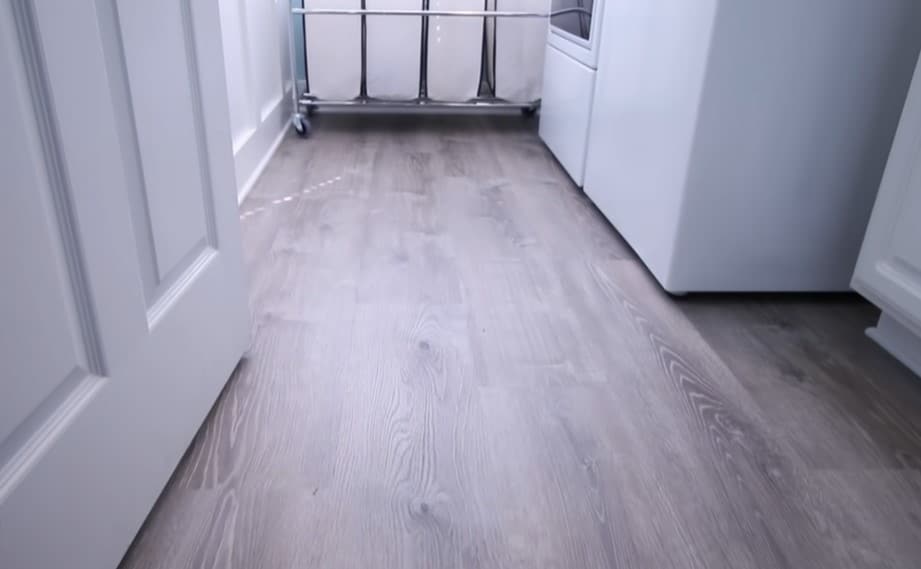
[[123, 295], [889, 267]]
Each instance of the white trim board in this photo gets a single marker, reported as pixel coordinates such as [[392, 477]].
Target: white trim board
[[250, 182], [253, 155]]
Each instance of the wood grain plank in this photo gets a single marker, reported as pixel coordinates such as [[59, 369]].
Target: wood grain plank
[[403, 499], [816, 376], [755, 477]]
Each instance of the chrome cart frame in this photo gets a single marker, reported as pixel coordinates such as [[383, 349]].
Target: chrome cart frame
[[305, 103]]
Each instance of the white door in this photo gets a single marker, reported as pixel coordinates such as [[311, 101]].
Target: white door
[[889, 268], [123, 303]]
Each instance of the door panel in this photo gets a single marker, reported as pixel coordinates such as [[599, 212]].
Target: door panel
[[50, 317], [160, 66], [124, 294], [47, 277]]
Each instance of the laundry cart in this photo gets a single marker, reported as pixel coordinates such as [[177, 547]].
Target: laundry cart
[[415, 54]]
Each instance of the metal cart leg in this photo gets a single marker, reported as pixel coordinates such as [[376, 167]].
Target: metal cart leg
[[299, 120], [424, 56]]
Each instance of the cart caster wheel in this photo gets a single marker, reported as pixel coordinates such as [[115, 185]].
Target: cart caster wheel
[[529, 111], [301, 125]]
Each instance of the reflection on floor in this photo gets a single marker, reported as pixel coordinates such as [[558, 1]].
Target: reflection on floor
[[458, 363]]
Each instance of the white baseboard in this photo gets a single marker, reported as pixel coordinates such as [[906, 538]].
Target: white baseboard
[[254, 154], [247, 186]]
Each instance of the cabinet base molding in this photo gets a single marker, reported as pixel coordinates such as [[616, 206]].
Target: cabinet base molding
[[898, 340]]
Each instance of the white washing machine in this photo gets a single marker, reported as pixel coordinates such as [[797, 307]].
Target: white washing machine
[[573, 44], [738, 146]]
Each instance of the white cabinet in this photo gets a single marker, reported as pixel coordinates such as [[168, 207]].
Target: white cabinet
[[889, 268]]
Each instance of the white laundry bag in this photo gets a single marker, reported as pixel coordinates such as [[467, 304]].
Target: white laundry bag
[[455, 51], [333, 46], [520, 46], [394, 50]]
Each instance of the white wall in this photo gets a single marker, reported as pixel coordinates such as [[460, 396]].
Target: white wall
[[258, 81]]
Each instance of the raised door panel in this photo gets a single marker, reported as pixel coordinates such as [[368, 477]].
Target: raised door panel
[[49, 346], [889, 268], [171, 205]]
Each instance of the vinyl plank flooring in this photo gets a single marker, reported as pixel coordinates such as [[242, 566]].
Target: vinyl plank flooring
[[457, 362], [715, 434], [405, 239], [869, 518], [401, 502], [813, 375]]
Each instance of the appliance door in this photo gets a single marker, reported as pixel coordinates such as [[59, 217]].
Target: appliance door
[[575, 30]]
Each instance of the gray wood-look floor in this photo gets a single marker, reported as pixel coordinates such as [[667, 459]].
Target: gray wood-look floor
[[458, 363]]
